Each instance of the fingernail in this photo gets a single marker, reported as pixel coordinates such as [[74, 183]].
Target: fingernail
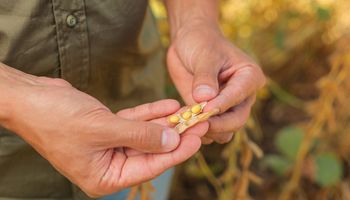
[[170, 139], [205, 90]]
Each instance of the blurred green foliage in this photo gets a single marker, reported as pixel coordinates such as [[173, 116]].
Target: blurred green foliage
[[279, 164], [328, 169], [288, 141]]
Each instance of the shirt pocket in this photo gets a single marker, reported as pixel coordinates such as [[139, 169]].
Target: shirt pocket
[[28, 37]]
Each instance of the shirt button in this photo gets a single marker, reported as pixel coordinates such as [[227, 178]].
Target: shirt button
[[71, 21]]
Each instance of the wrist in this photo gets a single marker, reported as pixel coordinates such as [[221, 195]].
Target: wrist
[[11, 91], [5, 106], [184, 14], [196, 25]]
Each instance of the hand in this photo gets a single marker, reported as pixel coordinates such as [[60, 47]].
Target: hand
[[86, 142], [205, 66]]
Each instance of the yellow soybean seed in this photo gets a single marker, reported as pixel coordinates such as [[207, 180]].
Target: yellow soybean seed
[[186, 115], [174, 119], [196, 109]]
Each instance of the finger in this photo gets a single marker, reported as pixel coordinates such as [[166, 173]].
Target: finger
[[147, 112], [205, 82], [143, 168], [198, 130], [161, 121], [206, 140], [222, 138], [242, 84], [232, 120], [150, 111], [139, 135], [132, 152], [181, 77]]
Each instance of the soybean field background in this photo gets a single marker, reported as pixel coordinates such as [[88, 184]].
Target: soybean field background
[[296, 145]]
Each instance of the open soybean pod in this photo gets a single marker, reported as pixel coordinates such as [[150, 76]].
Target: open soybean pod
[[186, 113], [190, 116], [182, 127]]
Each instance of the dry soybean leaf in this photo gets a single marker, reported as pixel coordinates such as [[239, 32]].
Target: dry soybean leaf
[[258, 152]]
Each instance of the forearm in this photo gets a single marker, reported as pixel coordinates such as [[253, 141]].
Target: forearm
[[189, 13], [4, 94], [12, 82]]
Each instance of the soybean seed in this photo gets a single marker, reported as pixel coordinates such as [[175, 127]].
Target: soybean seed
[[196, 109], [174, 119], [186, 115]]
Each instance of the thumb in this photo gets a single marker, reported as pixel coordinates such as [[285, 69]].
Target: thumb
[[205, 84], [145, 136]]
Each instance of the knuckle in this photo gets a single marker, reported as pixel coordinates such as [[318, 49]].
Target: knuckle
[[222, 100], [222, 126], [137, 134], [243, 120], [132, 110], [147, 107], [145, 136], [61, 82], [224, 138], [122, 113], [228, 125], [146, 131], [174, 102], [240, 124], [217, 128], [151, 108], [206, 140], [222, 141], [240, 93], [54, 81], [260, 77]]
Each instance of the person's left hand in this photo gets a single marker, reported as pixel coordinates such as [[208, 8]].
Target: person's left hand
[[205, 66]]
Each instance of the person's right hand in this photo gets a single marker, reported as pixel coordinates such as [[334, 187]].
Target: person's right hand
[[86, 142]]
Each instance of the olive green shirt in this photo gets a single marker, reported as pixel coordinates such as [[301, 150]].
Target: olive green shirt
[[109, 49]]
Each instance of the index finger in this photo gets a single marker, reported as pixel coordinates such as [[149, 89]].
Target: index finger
[[242, 84], [149, 111]]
